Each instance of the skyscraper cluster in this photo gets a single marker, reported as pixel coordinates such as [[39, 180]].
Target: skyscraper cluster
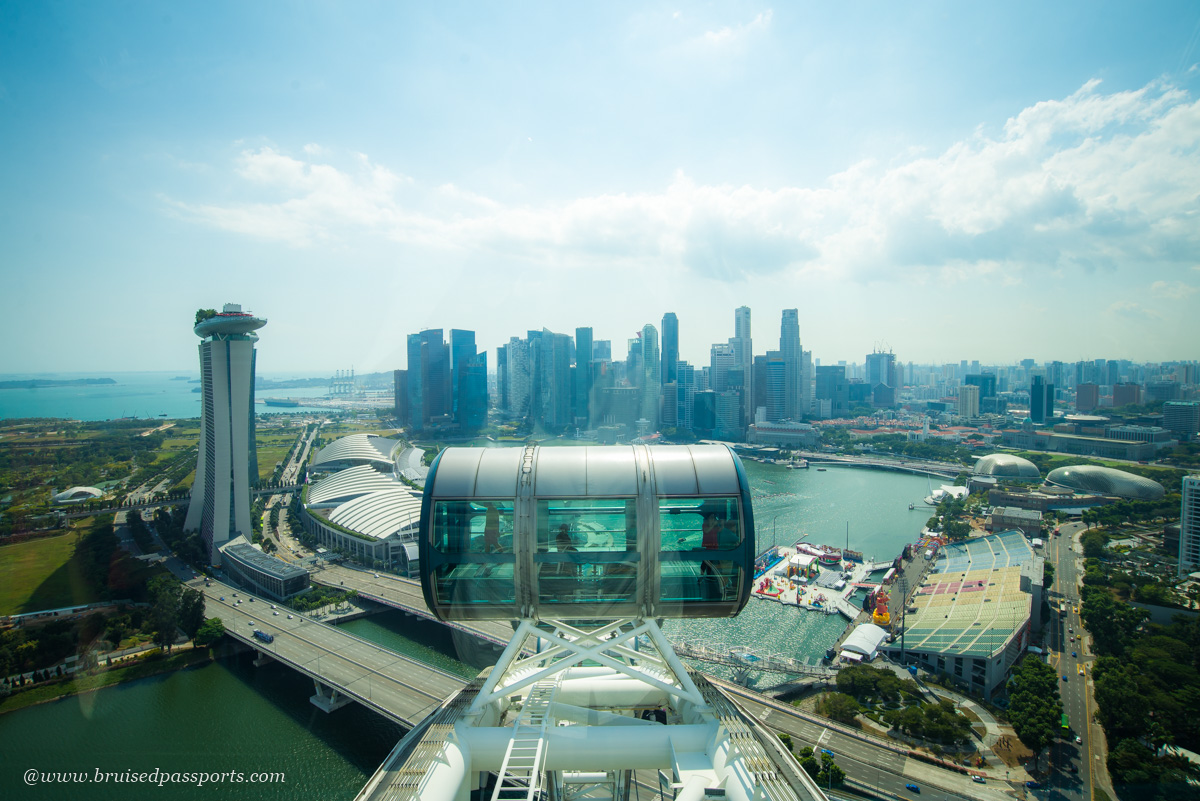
[[445, 385], [559, 383]]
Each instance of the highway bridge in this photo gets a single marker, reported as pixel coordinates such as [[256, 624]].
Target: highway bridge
[[343, 667]]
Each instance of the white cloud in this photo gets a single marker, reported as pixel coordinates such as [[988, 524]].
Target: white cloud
[[1175, 290], [1134, 311], [735, 35], [1092, 182]]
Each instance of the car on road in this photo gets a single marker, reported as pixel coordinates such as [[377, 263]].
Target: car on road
[[1064, 677], [1070, 630], [1079, 669], [275, 613], [979, 780], [289, 617], [1032, 785], [1073, 655], [1078, 739], [912, 787]]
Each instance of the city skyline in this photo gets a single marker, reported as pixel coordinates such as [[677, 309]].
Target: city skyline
[[890, 172]]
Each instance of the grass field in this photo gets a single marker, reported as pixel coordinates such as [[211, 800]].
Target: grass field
[[39, 575]]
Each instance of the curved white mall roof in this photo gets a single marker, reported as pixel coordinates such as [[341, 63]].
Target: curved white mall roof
[[345, 485], [366, 448], [78, 494], [865, 640], [381, 514]]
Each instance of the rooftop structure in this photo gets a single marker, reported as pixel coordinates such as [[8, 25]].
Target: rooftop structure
[[355, 450], [1005, 465], [78, 495], [1009, 517], [1106, 481], [864, 641], [374, 520], [262, 572], [346, 485], [1006, 549], [969, 620]]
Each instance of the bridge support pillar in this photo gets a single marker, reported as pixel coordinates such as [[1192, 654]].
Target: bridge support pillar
[[328, 699], [262, 658]]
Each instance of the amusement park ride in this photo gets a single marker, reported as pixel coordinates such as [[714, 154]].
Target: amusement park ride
[[585, 550]]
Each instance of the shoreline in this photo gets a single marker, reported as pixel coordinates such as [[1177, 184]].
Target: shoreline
[[112, 677]]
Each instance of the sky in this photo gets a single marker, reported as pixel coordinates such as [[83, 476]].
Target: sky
[[945, 180]]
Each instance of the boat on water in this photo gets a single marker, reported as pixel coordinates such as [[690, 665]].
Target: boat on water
[[281, 402], [911, 506], [820, 469]]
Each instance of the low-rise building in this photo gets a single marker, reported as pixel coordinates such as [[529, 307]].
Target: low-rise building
[[1005, 518], [262, 573]]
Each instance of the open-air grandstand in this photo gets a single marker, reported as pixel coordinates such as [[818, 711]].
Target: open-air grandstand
[[1006, 549]]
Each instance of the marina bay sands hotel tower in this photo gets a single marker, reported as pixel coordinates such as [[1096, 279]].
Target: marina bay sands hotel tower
[[227, 461]]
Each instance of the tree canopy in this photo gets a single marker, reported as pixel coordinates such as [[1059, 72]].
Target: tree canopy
[[1035, 707]]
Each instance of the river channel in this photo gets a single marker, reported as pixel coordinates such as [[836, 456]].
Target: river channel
[[231, 716]]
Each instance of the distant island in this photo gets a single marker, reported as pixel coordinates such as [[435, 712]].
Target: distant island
[[291, 383], [39, 383], [182, 378]]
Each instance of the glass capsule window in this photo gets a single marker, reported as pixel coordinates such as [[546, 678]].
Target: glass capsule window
[[483, 529], [693, 533], [586, 551]]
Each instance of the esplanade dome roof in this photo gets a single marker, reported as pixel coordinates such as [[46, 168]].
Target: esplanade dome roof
[[1106, 481], [1005, 465]]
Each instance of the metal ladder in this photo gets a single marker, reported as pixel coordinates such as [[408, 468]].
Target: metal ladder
[[521, 772]]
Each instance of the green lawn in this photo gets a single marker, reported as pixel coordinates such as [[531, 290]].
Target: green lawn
[[39, 574]]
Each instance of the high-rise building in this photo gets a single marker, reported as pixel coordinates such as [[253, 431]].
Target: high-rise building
[[670, 347], [472, 393], [968, 400], [583, 377], [1189, 526], [831, 386], [986, 383], [462, 349], [1087, 397], [743, 354], [1182, 418], [793, 373], [1126, 394], [1041, 401], [552, 376], [226, 462], [721, 362], [520, 378], [652, 380], [400, 388]]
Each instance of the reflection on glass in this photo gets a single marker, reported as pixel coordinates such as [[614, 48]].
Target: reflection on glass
[[586, 550], [689, 528]]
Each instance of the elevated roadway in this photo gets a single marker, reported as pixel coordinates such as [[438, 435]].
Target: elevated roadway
[[405, 594], [342, 666]]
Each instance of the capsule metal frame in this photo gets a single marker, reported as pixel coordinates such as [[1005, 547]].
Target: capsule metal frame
[[586, 533]]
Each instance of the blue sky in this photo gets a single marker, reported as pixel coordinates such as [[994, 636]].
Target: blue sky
[[991, 182]]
